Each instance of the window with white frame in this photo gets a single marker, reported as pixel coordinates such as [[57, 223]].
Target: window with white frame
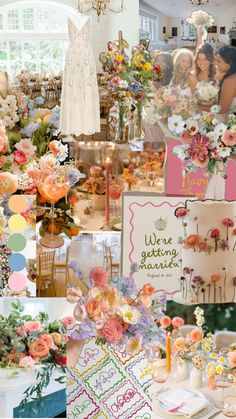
[[188, 31], [147, 26], [33, 36]]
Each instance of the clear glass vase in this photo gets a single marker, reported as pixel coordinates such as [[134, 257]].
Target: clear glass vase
[[139, 134], [122, 134]]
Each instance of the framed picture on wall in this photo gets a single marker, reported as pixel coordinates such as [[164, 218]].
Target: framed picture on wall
[[164, 29], [222, 30], [174, 31], [212, 29]]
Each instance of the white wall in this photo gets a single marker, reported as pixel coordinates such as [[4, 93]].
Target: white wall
[[108, 27], [162, 20]]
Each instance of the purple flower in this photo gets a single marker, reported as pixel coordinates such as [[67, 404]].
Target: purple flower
[[134, 267], [198, 280], [125, 285], [74, 265], [224, 245], [30, 129], [74, 176], [86, 330]]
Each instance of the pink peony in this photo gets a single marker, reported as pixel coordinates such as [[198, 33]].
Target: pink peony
[[177, 322], [115, 81], [31, 327], [165, 322], [112, 330], [20, 157], [67, 321], [26, 362], [99, 277], [229, 138], [47, 163]]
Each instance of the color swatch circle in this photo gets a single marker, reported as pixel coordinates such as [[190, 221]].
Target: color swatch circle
[[17, 282], [17, 223], [17, 242], [17, 262], [17, 203]]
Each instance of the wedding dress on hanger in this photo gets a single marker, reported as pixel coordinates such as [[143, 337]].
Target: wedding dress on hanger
[[80, 108]]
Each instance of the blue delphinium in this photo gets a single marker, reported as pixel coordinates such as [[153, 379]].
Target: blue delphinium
[[74, 265], [125, 285], [29, 129], [86, 330]]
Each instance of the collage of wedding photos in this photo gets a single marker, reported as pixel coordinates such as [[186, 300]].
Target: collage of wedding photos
[[118, 209]]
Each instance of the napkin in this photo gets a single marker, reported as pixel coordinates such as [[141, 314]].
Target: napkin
[[192, 402]]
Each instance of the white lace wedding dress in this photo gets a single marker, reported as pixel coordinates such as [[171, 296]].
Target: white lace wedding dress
[[80, 110]]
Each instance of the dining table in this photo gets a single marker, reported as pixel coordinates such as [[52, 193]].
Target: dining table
[[212, 395]]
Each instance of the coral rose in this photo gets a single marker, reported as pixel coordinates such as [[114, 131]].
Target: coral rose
[[112, 330], [148, 289], [232, 359], [26, 362], [192, 241], [20, 330], [99, 277], [56, 338], [196, 335], [165, 321], [38, 349], [47, 163], [66, 321], [20, 157], [179, 344], [177, 322], [94, 309], [229, 138], [31, 327], [8, 183], [48, 339]]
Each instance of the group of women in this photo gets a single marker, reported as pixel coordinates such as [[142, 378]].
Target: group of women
[[185, 69]]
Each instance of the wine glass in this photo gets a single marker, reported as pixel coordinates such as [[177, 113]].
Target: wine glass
[[230, 410], [52, 187]]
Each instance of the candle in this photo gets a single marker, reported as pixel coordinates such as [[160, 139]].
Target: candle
[[107, 206], [168, 352]]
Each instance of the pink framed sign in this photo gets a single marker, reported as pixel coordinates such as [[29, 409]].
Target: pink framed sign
[[150, 239]]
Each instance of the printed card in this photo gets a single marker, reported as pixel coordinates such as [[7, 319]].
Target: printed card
[[91, 356], [140, 372], [82, 406]]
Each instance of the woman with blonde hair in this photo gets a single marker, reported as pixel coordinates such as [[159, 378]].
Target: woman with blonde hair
[[182, 75]]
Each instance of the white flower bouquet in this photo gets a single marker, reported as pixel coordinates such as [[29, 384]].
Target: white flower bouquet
[[206, 92], [201, 18], [8, 111]]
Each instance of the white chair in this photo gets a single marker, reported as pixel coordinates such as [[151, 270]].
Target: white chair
[[224, 338], [186, 329]]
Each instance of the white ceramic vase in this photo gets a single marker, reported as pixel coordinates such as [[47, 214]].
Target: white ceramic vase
[[195, 378], [182, 372]]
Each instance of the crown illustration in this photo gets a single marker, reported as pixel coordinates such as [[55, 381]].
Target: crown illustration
[[160, 224]]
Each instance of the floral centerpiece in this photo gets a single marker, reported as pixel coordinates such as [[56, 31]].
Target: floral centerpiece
[[129, 178], [206, 144], [116, 313], [33, 343], [96, 186]]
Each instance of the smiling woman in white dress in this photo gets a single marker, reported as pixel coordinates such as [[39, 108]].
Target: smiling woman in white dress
[[80, 110], [226, 63]]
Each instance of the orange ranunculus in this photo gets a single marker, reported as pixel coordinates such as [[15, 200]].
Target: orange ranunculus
[[8, 183], [38, 349], [196, 334], [148, 289], [215, 278], [56, 338], [94, 309], [232, 359], [179, 344], [192, 241]]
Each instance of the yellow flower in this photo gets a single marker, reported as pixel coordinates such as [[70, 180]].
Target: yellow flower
[[119, 58], [210, 369], [213, 355], [147, 66], [219, 369], [233, 128], [221, 359]]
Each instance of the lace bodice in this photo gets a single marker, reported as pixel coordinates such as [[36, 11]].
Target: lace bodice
[[79, 35]]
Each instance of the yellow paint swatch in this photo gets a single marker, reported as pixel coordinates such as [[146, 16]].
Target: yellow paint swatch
[[16, 223]]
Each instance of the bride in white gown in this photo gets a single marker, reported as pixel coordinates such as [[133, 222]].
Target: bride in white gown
[[80, 110]]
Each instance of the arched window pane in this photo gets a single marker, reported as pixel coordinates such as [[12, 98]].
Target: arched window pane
[[28, 19], [13, 20]]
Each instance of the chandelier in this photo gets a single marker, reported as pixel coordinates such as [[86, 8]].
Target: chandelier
[[100, 7], [199, 2]]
